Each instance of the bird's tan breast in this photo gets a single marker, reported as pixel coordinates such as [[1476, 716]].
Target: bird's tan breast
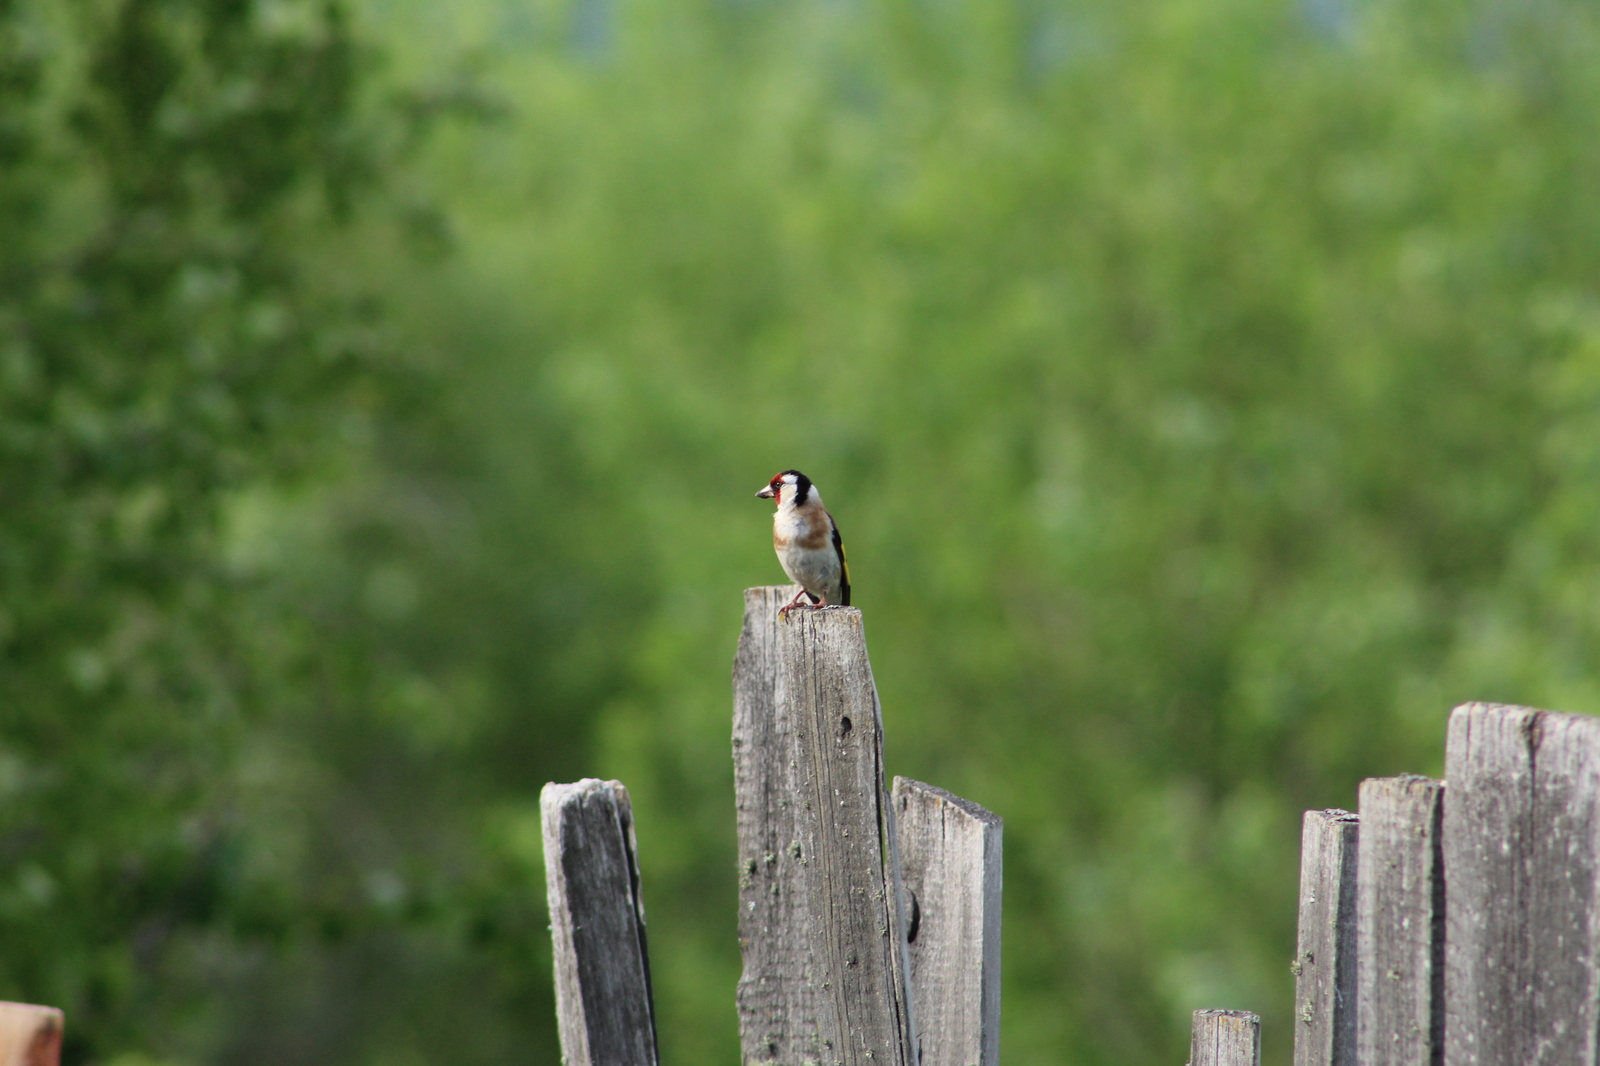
[[810, 531], [818, 532]]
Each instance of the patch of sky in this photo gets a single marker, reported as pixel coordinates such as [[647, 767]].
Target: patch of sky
[[1334, 21], [1056, 39], [593, 28]]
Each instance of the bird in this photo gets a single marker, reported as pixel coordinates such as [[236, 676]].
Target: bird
[[807, 541]]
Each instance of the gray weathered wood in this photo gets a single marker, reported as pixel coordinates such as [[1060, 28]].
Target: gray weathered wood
[[950, 863], [1520, 826], [1324, 965], [30, 1035], [1225, 1038], [602, 967], [1400, 928], [820, 915]]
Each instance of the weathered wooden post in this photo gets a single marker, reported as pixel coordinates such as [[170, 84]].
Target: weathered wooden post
[[821, 920], [603, 1005], [950, 864], [1325, 956], [822, 910], [1400, 923], [1457, 922], [30, 1035], [1522, 867], [1225, 1038]]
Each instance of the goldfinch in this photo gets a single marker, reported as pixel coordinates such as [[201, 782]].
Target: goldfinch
[[807, 542]]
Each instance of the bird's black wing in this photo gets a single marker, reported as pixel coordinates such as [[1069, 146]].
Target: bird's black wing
[[844, 567]]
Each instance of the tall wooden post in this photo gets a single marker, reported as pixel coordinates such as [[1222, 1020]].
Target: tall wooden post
[[1522, 872], [603, 1003], [1325, 959], [1400, 926], [950, 863], [821, 920]]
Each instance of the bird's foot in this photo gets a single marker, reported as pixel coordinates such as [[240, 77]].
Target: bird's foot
[[783, 612]]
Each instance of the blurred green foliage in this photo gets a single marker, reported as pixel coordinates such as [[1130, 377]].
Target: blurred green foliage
[[1209, 394], [159, 164]]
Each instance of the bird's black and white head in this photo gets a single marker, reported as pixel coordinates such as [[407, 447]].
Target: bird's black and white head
[[789, 489]]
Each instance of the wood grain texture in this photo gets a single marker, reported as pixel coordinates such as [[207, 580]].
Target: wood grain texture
[[30, 1035], [1225, 1038], [1400, 926], [820, 914], [950, 863], [602, 966], [1324, 965], [1520, 825]]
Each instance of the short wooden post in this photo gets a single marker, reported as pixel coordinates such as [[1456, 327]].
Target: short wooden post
[[30, 1035], [950, 863], [1400, 930], [1324, 965], [820, 920], [1521, 828], [1225, 1038], [602, 967]]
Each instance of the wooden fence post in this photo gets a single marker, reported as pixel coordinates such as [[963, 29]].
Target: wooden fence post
[[1225, 1038], [602, 968], [950, 863], [1520, 851], [1400, 928], [30, 1035], [1324, 965], [820, 914]]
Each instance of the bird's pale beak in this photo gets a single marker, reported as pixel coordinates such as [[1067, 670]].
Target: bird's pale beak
[[765, 494]]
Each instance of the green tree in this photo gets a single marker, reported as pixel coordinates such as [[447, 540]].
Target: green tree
[[161, 349], [1204, 391]]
